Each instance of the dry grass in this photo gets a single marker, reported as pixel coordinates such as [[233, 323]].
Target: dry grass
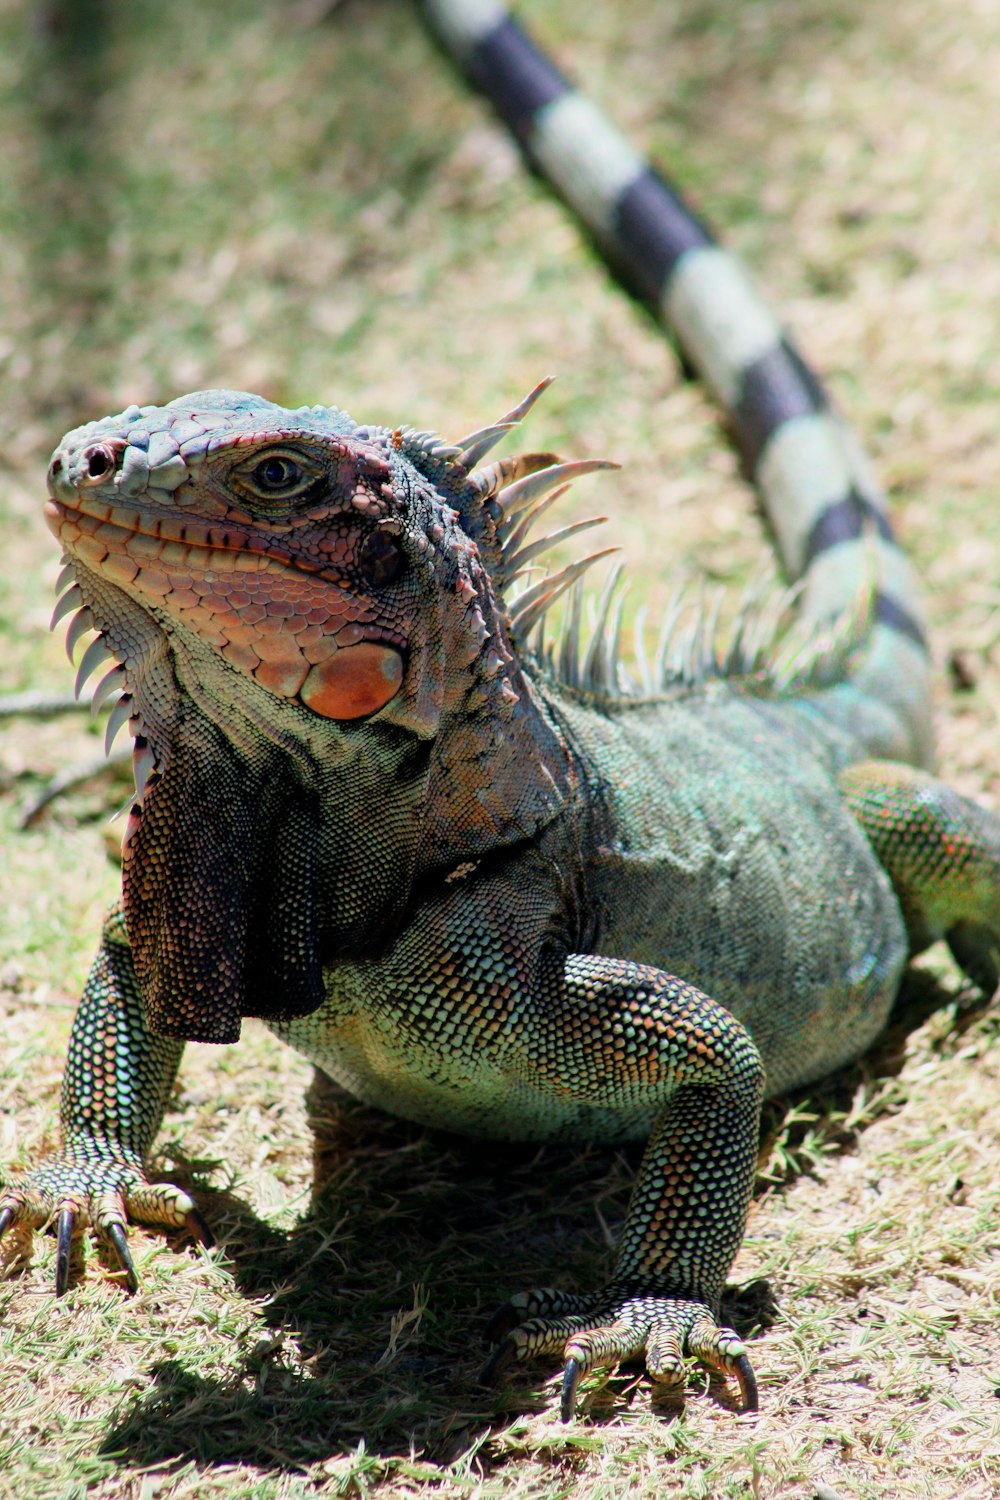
[[306, 203]]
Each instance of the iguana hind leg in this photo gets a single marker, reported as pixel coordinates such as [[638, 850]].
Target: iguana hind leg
[[942, 853]]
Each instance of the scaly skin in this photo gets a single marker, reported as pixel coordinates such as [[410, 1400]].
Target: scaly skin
[[480, 883]]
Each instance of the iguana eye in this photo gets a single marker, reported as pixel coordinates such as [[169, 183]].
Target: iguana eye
[[380, 558], [276, 473]]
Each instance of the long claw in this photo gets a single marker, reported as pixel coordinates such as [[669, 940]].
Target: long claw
[[196, 1226], [116, 1234], [493, 1369], [747, 1382], [64, 1245], [6, 1219], [571, 1379]]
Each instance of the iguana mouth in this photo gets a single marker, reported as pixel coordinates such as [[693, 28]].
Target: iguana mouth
[[115, 527]]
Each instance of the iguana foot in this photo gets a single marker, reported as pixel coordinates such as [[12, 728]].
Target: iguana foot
[[103, 1195], [617, 1324]]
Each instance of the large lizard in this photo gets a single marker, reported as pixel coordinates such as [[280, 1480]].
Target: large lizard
[[486, 880]]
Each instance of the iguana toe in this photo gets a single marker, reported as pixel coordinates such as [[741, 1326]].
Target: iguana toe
[[198, 1229], [64, 1247], [572, 1370]]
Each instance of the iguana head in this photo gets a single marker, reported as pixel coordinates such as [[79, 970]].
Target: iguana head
[[308, 632], [284, 540]]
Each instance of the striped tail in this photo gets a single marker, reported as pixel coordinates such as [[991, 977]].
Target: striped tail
[[825, 507]]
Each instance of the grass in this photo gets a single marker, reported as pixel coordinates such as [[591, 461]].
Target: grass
[[305, 202]]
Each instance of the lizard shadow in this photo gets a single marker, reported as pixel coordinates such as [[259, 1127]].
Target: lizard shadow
[[377, 1298]]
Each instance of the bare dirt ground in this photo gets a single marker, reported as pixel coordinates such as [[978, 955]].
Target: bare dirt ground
[[302, 200]]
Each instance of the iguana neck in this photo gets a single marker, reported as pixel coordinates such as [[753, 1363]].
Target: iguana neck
[[499, 769], [265, 842]]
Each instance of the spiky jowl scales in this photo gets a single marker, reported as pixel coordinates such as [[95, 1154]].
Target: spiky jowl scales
[[481, 877]]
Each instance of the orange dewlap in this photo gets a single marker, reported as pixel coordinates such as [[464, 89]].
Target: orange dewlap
[[356, 681]]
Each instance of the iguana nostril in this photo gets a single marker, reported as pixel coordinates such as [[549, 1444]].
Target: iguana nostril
[[100, 461]]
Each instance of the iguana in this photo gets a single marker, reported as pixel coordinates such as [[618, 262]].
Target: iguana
[[484, 879]]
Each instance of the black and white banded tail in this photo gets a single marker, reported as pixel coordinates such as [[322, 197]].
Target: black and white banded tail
[[823, 503]]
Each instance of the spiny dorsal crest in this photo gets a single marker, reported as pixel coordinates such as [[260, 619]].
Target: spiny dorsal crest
[[501, 502], [767, 648]]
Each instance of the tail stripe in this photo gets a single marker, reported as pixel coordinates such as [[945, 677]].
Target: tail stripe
[[888, 612], [845, 521], [591, 164], [724, 327], [816, 485], [854, 559], [518, 79], [805, 474], [463, 24], [775, 388], [658, 229]]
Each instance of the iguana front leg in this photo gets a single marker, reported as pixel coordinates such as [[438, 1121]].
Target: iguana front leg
[[117, 1081], [616, 1034]]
